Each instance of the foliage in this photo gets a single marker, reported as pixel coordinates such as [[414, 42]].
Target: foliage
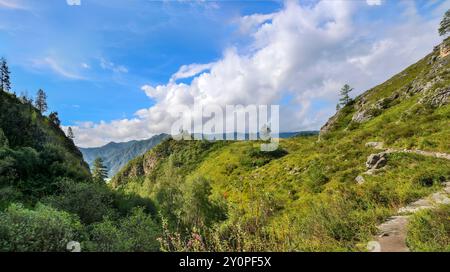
[[42, 229], [70, 134], [41, 101], [99, 173], [445, 24], [429, 230], [91, 202], [5, 81], [54, 118], [345, 98], [135, 233]]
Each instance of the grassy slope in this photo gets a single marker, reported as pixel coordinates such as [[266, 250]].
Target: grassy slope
[[308, 199]]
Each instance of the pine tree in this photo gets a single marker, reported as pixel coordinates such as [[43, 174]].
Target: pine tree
[[70, 134], [445, 24], [100, 172], [338, 107], [41, 101], [345, 98], [54, 118], [5, 83]]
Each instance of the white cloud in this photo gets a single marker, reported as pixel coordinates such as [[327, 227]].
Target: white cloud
[[187, 71], [108, 65], [11, 4], [374, 2], [304, 52], [52, 64]]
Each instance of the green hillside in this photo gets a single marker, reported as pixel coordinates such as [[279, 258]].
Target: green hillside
[[48, 197], [227, 196], [34, 152]]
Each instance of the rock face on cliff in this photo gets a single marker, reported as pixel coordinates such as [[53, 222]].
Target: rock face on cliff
[[428, 80]]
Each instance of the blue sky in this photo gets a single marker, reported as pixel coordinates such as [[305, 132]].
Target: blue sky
[[107, 65], [149, 40]]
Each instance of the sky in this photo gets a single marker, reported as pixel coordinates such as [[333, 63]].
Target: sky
[[120, 70]]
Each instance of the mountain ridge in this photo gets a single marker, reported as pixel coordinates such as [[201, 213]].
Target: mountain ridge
[[116, 155]]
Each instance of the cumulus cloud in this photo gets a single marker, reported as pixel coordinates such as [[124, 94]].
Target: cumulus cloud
[[305, 53]]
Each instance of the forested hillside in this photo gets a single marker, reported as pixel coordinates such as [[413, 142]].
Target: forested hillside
[[313, 193], [47, 195]]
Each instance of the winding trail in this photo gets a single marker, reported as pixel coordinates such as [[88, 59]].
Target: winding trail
[[392, 233]]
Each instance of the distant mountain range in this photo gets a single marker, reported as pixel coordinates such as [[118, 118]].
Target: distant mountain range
[[117, 155]]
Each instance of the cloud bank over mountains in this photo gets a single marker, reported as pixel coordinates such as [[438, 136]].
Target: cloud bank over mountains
[[298, 57]]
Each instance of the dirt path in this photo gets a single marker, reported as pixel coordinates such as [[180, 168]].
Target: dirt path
[[380, 146], [392, 233]]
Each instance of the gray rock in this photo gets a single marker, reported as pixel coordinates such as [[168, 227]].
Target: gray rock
[[360, 180], [362, 116], [378, 145], [376, 161]]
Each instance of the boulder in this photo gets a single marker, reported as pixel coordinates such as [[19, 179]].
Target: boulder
[[376, 161]]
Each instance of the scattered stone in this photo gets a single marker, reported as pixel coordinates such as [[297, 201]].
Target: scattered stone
[[377, 145], [360, 180]]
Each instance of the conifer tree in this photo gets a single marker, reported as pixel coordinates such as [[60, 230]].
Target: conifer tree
[[70, 134], [54, 118], [5, 83], [445, 24], [345, 98], [99, 172], [41, 101]]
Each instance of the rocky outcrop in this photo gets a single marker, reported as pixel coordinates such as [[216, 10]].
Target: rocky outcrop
[[444, 50], [438, 98], [376, 161], [329, 125]]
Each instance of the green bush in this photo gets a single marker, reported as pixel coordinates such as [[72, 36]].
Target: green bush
[[90, 201], [199, 208], [42, 229], [135, 233]]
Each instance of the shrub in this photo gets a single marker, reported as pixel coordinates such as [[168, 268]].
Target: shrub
[[199, 209], [43, 229], [91, 202], [135, 233], [105, 237]]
